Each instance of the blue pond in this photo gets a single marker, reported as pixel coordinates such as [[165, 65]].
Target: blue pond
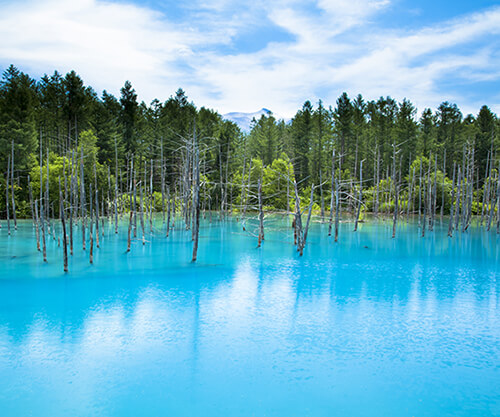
[[370, 326]]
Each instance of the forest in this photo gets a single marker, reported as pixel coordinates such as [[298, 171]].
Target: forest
[[62, 145]]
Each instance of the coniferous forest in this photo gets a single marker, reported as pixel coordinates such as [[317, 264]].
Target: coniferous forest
[[68, 152]]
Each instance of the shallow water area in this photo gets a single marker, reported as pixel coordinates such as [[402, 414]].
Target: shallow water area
[[367, 326]]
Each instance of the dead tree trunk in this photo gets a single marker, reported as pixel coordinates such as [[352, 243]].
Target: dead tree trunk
[[226, 204], [168, 210], [72, 199], [457, 204], [91, 231], [396, 209], [306, 230], [96, 208], [44, 246], [420, 194], [47, 198], [243, 176], [141, 208], [410, 195], [470, 189], [97, 218], [34, 215], [332, 194], [378, 181], [129, 230], [338, 205], [360, 196], [152, 199], [433, 196], [288, 189], [134, 185], [247, 191], [82, 199], [495, 201], [443, 185], [298, 218], [42, 224], [116, 188], [12, 192], [37, 227], [450, 224], [261, 215], [7, 194], [162, 173], [197, 204], [65, 239]]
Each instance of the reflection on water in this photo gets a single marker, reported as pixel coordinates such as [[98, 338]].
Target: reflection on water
[[370, 326]]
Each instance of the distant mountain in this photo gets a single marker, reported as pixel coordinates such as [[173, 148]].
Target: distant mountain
[[243, 120]]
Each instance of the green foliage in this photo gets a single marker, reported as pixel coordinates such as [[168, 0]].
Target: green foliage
[[61, 114], [60, 167], [275, 181]]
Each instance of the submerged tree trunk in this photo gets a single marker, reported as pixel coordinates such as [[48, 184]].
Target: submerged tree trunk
[[494, 203], [141, 208], [433, 196], [97, 218], [332, 195], [42, 223], [34, 215], [37, 227], [360, 196], [7, 195], [91, 231], [65, 239], [47, 198], [116, 188], [168, 211], [246, 195], [337, 202], [396, 209], [261, 215], [306, 230], [457, 205], [72, 200], [152, 199], [129, 230], [450, 224], [196, 225], [298, 219], [82, 200], [134, 185], [420, 194], [162, 173], [12, 192]]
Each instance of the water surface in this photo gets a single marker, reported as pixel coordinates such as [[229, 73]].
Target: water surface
[[370, 326]]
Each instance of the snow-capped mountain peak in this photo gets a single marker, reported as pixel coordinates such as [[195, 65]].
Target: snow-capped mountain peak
[[243, 120]]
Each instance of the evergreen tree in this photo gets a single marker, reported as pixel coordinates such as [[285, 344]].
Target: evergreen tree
[[128, 118], [302, 127], [264, 139], [18, 100], [427, 140], [448, 138], [74, 110], [343, 126], [485, 139], [406, 134]]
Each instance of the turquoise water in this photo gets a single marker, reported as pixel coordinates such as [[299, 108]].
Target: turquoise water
[[371, 326]]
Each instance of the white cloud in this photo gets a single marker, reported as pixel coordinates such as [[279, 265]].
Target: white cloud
[[106, 43], [335, 46]]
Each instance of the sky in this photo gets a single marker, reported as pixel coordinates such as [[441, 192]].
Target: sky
[[234, 55]]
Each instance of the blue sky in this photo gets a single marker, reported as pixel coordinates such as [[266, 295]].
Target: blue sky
[[243, 55]]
